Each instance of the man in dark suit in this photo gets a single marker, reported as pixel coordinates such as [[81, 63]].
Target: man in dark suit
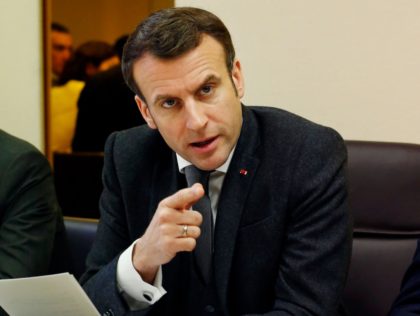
[[407, 302], [31, 225], [279, 237]]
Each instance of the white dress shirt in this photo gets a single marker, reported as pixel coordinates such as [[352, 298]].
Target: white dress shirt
[[139, 294]]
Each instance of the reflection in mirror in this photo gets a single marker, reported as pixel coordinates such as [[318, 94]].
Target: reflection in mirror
[[90, 31]]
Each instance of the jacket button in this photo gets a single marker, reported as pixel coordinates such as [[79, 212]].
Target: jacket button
[[209, 309]]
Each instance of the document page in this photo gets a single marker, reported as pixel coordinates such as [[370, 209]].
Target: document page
[[50, 295]]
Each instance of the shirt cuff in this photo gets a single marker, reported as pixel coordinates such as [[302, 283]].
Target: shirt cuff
[[130, 283]]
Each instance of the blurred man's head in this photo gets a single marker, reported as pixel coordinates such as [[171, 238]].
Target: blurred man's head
[[87, 60], [61, 47]]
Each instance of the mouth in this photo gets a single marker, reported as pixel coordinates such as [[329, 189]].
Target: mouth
[[203, 143]]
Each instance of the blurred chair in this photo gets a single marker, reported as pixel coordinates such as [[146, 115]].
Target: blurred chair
[[384, 195], [78, 182], [80, 236]]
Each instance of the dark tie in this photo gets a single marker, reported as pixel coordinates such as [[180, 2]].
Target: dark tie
[[204, 249]]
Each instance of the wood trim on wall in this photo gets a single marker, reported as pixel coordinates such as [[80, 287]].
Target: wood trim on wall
[[46, 53]]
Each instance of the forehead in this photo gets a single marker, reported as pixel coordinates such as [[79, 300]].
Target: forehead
[[61, 38], [153, 74]]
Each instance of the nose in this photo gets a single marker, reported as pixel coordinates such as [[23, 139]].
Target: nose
[[196, 117]]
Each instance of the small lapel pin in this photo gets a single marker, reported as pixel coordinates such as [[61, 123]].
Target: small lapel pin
[[243, 172]]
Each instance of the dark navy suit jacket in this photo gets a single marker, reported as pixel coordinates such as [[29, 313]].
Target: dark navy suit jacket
[[282, 236], [32, 235], [408, 300]]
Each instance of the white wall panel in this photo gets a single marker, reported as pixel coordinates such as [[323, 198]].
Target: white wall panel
[[353, 65]]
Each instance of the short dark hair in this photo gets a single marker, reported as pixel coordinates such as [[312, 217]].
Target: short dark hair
[[59, 28], [169, 33]]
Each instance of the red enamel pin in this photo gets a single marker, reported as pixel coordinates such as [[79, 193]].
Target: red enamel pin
[[243, 172]]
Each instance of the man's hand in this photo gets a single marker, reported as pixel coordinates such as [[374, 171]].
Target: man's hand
[[164, 237]]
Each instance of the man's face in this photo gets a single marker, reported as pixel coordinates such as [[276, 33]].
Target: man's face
[[61, 50], [191, 100]]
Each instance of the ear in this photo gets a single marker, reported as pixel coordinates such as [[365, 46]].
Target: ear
[[238, 79], [145, 112]]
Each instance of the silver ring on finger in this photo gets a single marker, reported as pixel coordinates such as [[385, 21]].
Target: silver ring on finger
[[185, 231]]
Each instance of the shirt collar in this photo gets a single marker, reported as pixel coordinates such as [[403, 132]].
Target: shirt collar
[[182, 163]]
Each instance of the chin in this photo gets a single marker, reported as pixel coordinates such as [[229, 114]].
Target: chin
[[213, 165], [204, 165]]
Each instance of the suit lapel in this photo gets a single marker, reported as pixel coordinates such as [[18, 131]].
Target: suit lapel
[[234, 194]]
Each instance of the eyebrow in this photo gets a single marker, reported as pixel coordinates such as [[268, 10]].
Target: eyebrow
[[209, 78]]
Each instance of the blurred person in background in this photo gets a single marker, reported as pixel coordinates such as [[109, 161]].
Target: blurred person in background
[[88, 59], [108, 101], [61, 49]]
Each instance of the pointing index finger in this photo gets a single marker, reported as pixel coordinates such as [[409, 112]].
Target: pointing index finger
[[184, 198]]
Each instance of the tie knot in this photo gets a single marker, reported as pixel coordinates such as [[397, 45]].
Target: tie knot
[[194, 175]]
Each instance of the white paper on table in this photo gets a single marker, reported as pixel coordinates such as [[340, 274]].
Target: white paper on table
[[57, 294]]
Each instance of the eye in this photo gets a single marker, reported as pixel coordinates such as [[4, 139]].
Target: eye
[[206, 90], [169, 103]]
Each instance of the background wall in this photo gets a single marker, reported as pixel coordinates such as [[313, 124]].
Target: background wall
[[21, 107], [353, 65]]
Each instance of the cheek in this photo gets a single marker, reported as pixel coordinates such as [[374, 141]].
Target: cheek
[[171, 131], [233, 119]]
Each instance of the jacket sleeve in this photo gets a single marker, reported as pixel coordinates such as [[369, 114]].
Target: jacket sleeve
[[112, 238], [29, 212]]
